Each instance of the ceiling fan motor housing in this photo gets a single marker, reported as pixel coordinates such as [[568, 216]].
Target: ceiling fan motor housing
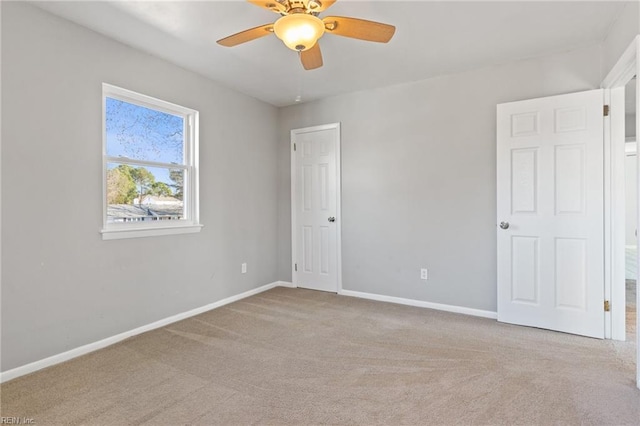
[[310, 6]]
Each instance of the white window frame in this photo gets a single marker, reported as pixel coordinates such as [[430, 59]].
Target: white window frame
[[190, 223]]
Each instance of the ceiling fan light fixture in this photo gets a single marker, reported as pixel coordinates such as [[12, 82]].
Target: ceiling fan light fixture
[[299, 31]]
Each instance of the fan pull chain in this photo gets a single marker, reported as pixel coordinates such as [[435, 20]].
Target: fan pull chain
[[300, 75]]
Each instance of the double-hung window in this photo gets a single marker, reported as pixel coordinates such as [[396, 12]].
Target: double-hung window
[[150, 166]]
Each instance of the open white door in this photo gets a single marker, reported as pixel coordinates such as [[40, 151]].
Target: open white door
[[315, 205], [551, 213]]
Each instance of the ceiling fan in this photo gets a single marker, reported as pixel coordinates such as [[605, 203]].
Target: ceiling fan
[[300, 28]]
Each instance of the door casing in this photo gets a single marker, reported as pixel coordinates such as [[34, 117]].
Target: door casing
[[338, 223], [614, 140], [623, 71]]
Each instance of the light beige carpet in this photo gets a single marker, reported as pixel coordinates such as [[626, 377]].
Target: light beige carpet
[[291, 356]]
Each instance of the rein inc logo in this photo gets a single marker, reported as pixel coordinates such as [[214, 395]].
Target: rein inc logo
[[17, 421]]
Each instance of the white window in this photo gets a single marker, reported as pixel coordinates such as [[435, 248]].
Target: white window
[[150, 166]]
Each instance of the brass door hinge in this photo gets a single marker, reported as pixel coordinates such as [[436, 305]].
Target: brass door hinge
[[607, 306], [605, 110]]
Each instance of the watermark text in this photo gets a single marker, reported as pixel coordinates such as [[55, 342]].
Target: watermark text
[[7, 420]]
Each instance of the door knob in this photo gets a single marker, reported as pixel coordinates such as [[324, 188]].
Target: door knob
[[332, 219], [504, 225]]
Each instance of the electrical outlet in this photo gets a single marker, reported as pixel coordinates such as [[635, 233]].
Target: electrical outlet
[[424, 274], [244, 268]]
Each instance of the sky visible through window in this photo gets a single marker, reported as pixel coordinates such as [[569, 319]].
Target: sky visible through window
[[134, 132], [140, 133]]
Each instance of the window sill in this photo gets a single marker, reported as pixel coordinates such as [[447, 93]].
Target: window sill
[[118, 234]]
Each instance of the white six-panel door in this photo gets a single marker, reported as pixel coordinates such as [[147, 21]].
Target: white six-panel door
[[550, 213], [315, 207]]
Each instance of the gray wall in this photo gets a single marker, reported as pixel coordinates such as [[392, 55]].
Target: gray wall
[[630, 125], [418, 176], [62, 286]]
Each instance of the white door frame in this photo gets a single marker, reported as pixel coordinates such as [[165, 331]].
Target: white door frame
[[627, 66], [294, 247]]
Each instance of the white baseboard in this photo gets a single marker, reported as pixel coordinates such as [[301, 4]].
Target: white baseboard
[[421, 304], [285, 284], [82, 350]]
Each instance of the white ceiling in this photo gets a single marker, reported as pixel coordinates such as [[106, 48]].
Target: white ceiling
[[432, 38]]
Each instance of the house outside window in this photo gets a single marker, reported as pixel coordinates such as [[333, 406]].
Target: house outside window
[[150, 166]]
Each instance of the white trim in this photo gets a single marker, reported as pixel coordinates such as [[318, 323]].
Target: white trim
[[134, 162], [609, 99], [614, 184], [146, 101], [0, 195], [151, 231], [191, 221], [627, 66], [292, 160], [615, 216], [624, 70], [339, 206], [294, 216], [421, 304], [637, 73], [91, 347]]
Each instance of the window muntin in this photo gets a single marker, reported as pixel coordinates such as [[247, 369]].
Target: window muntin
[[149, 165]]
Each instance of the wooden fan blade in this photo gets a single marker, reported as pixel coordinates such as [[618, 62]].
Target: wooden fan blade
[[311, 58], [271, 5], [320, 5], [246, 35], [359, 28]]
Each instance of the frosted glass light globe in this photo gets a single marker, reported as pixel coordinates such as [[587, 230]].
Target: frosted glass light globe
[[299, 31]]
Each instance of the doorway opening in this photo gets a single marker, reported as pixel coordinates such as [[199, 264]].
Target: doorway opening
[[631, 210], [621, 80]]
